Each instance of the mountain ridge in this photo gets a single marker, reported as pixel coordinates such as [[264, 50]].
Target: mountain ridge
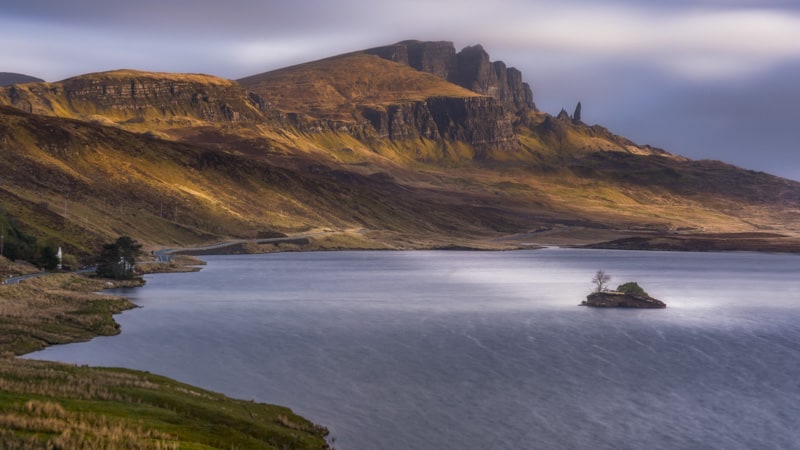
[[9, 78], [131, 96], [470, 68], [355, 141]]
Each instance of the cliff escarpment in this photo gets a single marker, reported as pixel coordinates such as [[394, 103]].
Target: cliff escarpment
[[428, 92], [373, 98], [132, 96], [470, 68], [479, 121]]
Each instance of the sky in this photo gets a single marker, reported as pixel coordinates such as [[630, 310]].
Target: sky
[[707, 79]]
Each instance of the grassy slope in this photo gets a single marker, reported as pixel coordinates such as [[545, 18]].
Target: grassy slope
[[127, 74], [117, 182], [46, 405], [135, 100], [335, 87], [13, 268], [205, 181], [563, 170], [56, 309], [122, 183]]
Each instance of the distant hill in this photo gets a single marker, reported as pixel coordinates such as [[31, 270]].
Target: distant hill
[[135, 97], [9, 78], [412, 144]]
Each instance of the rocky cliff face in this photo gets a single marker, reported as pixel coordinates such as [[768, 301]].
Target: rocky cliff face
[[477, 72], [479, 121], [438, 58], [138, 96], [470, 68]]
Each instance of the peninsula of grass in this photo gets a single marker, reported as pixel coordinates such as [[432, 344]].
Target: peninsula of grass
[[61, 406], [176, 264]]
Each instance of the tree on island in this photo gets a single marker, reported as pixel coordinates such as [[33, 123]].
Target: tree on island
[[632, 288], [118, 258], [600, 280]]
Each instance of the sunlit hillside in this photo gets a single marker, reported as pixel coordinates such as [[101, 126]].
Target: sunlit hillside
[[137, 100], [337, 87], [353, 142]]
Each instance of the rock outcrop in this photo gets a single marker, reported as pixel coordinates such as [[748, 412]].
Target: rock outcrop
[[479, 121], [438, 58], [477, 72], [470, 68], [576, 116], [613, 299]]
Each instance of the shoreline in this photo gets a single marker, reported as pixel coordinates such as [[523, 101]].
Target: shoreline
[[563, 237], [333, 256], [45, 403], [92, 315]]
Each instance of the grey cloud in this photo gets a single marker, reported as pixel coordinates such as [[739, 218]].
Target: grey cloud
[[229, 18], [718, 4]]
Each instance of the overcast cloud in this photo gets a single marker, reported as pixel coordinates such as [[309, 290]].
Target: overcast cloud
[[706, 79]]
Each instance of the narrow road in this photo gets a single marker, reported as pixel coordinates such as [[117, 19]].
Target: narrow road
[[164, 254], [16, 280]]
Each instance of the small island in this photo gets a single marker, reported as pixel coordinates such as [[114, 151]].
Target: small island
[[627, 295], [615, 299]]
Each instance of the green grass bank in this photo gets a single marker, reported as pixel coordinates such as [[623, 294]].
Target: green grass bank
[[45, 405]]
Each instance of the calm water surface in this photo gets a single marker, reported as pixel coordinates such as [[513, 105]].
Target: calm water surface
[[484, 350]]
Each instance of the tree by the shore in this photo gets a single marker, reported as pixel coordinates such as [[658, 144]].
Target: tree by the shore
[[600, 280], [117, 259]]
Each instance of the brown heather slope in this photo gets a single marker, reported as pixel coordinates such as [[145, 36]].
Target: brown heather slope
[[337, 87], [350, 142], [374, 99], [178, 194], [545, 163]]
